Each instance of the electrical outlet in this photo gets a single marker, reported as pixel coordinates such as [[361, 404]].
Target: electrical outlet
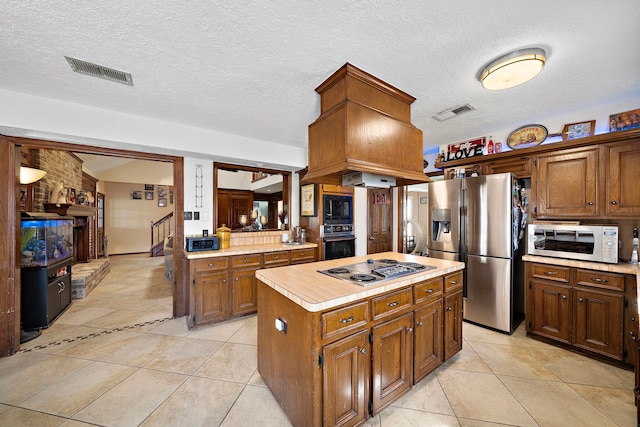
[[196, 216], [188, 216]]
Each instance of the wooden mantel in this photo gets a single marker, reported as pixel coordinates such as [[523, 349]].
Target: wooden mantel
[[81, 210]]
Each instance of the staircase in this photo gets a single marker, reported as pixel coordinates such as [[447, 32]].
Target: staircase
[[160, 230]]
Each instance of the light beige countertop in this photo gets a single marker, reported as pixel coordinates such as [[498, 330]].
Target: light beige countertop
[[249, 249], [314, 291], [621, 267]]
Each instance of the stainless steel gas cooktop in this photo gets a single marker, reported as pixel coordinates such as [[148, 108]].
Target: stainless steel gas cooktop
[[375, 271]]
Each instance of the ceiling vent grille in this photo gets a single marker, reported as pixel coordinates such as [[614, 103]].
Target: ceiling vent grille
[[452, 112], [84, 67]]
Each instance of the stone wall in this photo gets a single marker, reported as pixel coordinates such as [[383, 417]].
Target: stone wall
[[61, 166]]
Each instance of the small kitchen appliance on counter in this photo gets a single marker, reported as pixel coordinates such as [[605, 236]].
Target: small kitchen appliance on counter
[[597, 243], [205, 243], [375, 271]]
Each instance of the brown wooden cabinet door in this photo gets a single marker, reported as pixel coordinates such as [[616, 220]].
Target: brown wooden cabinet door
[[211, 297], [346, 380], [244, 292], [552, 311], [452, 324], [428, 342], [392, 356], [598, 322], [567, 184], [622, 177]]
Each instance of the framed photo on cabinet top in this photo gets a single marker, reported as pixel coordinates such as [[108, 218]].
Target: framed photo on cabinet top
[[623, 121], [578, 130]]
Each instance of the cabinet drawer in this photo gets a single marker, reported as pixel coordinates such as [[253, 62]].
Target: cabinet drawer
[[210, 264], [426, 290], [302, 255], [390, 303], [246, 261], [452, 281], [339, 321], [551, 272], [276, 259], [601, 279]]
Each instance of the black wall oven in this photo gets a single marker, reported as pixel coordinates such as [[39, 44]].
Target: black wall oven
[[338, 241], [337, 209]]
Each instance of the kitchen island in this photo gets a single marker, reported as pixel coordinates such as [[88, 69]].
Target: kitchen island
[[334, 352]]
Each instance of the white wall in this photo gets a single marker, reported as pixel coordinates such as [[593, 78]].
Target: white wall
[[128, 221], [203, 206]]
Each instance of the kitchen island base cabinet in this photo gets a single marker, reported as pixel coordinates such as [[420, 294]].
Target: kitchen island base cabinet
[[343, 364]]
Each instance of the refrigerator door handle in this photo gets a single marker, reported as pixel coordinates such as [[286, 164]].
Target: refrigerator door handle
[[462, 212]]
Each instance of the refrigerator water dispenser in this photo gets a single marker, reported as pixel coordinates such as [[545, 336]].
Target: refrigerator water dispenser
[[441, 225]]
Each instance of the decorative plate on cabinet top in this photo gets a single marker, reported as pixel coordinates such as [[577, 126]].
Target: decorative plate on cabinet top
[[527, 136]]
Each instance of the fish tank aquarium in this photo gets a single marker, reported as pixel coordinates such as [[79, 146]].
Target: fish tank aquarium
[[45, 238]]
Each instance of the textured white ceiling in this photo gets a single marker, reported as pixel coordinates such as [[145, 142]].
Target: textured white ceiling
[[250, 67]]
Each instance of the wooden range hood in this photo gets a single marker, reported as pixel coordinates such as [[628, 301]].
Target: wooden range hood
[[364, 126]]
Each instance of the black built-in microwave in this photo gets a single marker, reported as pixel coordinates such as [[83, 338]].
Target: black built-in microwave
[[337, 209]]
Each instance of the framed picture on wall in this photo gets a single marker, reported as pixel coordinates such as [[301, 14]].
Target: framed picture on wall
[[148, 187], [136, 194], [308, 205], [162, 191], [162, 202], [148, 195]]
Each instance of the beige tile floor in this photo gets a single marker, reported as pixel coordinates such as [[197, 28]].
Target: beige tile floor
[[162, 374]]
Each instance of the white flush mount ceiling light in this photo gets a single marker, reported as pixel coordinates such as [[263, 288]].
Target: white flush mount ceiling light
[[513, 69]]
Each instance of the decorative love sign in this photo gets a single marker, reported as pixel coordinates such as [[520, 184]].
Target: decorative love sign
[[464, 150]]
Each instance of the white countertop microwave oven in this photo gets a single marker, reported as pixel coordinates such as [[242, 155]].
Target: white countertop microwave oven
[[597, 243]]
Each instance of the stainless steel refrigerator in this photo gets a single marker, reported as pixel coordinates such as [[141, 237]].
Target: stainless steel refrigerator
[[479, 221]]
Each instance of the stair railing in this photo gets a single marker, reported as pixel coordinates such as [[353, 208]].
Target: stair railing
[[160, 229]]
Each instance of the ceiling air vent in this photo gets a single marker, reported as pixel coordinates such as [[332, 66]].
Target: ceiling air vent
[[452, 112], [84, 67]]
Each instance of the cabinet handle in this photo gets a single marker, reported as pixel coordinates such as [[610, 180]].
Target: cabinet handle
[[564, 297], [363, 350], [224, 280], [550, 273], [597, 280], [448, 308], [237, 279], [245, 261], [419, 324], [613, 202], [393, 304], [211, 264], [453, 282], [580, 299], [410, 330], [429, 291], [347, 320], [633, 336], [590, 203]]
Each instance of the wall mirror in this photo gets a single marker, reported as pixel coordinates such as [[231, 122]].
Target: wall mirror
[[249, 198]]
